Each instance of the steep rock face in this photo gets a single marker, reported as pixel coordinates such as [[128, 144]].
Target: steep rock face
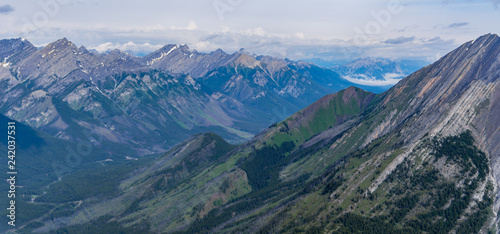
[[458, 92], [14, 50]]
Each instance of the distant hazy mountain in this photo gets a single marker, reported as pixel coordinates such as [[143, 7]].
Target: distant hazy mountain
[[422, 157], [377, 71]]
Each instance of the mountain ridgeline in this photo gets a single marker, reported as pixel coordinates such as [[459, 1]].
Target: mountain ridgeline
[[146, 105], [422, 157]]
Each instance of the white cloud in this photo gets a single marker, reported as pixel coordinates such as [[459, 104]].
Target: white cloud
[[224, 29], [393, 76], [389, 79], [300, 35], [129, 46], [190, 27], [258, 31]]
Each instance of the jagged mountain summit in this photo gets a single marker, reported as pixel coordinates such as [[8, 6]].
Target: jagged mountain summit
[[180, 59], [420, 157], [147, 105]]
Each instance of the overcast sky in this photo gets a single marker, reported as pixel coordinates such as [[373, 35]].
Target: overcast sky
[[326, 29]]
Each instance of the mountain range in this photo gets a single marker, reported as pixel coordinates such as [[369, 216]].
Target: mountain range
[[146, 105], [422, 157]]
